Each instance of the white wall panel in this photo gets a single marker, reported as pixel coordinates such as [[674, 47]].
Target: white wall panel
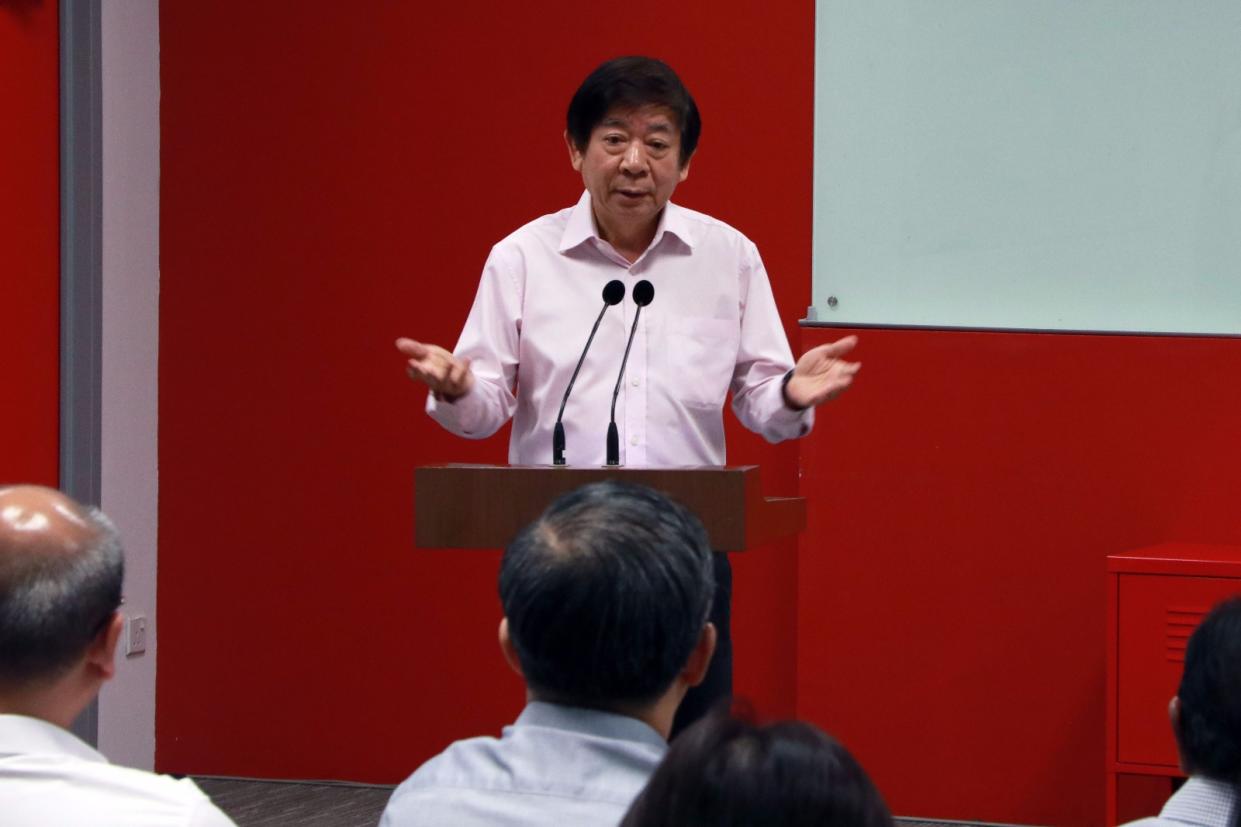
[[1042, 164]]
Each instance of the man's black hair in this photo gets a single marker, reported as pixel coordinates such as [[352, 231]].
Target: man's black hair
[[1209, 734], [55, 602], [629, 83], [606, 595], [727, 772]]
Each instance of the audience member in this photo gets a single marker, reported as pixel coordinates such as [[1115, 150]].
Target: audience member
[[1206, 721], [61, 568], [605, 600], [724, 771]]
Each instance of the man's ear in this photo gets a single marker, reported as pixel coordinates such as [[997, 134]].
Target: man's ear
[[685, 169], [1174, 718], [101, 654], [508, 649], [700, 658], [575, 155]]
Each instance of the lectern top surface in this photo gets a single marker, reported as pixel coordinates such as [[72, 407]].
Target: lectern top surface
[[1200, 559], [620, 468]]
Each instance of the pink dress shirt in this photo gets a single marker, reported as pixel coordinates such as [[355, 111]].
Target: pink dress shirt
[[712, 328]]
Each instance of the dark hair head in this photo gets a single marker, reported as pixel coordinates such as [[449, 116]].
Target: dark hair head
[[606, 595], [1209, 734], [629, 83], [56, 596], [725, 771]]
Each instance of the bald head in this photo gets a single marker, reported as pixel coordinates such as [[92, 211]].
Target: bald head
[[34, 517], [61, 569]]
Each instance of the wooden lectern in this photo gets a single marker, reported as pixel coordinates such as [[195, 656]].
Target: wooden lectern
[[484, 506]]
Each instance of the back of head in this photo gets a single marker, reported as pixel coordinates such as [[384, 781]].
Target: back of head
[[724, 771], [606, 595], [631, 83], [1209, 731], [61, 570]]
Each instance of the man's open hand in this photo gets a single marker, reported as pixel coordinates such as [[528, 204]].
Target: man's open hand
[[448, 377], [821, 374]]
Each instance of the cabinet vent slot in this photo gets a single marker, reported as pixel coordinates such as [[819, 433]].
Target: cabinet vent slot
[[1180, 622]]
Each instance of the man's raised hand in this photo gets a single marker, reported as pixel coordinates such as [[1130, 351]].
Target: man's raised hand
[[448, 377], [821, 374]]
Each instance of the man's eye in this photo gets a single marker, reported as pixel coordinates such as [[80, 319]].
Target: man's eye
[[613, 140], [658, 146]]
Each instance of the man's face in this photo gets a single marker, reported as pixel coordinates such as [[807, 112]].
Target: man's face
[[631, 166]]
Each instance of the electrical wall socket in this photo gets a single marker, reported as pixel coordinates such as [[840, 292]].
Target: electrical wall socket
[[135, 634]]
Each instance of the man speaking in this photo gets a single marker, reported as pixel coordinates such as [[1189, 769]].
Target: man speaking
[[709, 325]]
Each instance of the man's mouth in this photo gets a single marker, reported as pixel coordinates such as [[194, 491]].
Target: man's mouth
[[632, 193]]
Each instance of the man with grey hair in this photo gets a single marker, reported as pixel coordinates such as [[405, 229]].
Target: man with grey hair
[[61, 568]]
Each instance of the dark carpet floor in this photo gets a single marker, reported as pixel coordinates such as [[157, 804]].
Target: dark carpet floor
[[278, 803], [253, 803]]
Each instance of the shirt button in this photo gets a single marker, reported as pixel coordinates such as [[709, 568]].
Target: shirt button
[[633, 440], [636, 382]]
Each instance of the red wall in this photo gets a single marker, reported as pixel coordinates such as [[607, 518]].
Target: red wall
[[331, 180], [951, 597], [328, 185], [30, 241]]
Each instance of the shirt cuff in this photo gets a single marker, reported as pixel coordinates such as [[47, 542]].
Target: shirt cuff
[[784, 396], [787, 422], [460, 416]]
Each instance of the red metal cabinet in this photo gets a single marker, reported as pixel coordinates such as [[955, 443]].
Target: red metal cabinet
[[1156, 596]]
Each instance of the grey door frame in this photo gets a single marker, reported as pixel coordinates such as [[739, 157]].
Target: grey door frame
[[81, 266]]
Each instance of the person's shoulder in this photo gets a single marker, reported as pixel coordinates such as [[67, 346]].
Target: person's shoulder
[[437, 785], [701, 219], [458, 765], [533, 242], [709, 229], [125, 794], [544, 231], [154, 790]]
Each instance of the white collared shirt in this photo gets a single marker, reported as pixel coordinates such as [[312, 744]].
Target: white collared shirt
[[50, 777], [1200, 802], [712, 328], [556, 765]]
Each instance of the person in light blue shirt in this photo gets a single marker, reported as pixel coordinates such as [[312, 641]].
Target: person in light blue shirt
[[606, 598], [1206, 720]]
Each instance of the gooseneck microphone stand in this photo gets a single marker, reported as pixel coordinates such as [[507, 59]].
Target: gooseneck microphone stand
[[613, 293], [643, 293]]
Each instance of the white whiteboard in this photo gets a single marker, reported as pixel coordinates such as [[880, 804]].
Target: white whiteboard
[[1031, 164]]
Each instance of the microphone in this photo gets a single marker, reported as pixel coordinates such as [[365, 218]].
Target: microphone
[[643, 293], [613, 293]]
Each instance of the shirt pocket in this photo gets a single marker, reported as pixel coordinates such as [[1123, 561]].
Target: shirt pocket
[[702, 355]]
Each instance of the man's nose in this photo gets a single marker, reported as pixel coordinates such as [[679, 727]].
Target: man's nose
[[633, 161]]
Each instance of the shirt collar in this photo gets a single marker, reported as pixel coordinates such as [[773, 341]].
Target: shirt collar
[[1201, 800], [581, 225], [21, 735], [590, 722]]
